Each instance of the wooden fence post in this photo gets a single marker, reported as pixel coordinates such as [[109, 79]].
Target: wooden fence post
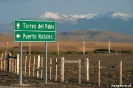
[[5, 62], [41, 67], [62, 69], [17, 63], [109, 47], [38, 66], [29, 48], [120, 72], [25, 64], [79, 71], [29, 65], [2, 61], [10, 63], [99, 73], [87, 69], [50, 68], [15, 66], [58, 48], [56, 70], [83, 47], [6, 47], [34, 67]]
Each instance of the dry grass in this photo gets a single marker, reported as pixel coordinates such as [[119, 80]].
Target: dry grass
[[65, 45]]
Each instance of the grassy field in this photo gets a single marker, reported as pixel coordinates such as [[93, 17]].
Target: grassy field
[[64, 45]]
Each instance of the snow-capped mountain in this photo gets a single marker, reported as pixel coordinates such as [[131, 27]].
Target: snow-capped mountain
[[112, 21], [64, 18]]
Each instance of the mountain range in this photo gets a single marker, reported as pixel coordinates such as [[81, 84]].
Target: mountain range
[[111, 26], [110, 21]]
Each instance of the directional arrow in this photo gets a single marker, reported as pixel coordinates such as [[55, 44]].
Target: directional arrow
[[18, 36], [18, 25]]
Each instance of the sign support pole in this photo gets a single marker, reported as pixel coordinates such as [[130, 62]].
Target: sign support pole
[[45, 63], [20, 65], [20, 32]]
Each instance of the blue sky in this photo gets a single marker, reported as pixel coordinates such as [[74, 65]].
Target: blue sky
[[14, 9]]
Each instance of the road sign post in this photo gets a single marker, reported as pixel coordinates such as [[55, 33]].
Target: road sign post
[[34, 31], [20, 65], [45, 77]]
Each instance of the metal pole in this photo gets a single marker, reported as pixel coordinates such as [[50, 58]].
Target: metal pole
[[45, 63], [20, 65]]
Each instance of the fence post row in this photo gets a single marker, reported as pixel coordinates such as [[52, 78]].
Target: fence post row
[[14, 67]]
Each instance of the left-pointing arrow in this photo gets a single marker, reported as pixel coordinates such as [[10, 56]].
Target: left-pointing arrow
[[18, 36]]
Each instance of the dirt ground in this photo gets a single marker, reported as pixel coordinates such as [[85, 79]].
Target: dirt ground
[[110, 64], [110, 72]]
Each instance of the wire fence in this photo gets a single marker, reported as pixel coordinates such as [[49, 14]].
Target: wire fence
[[89, 70]]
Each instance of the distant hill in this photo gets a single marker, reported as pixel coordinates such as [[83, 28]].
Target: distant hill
[[95, 35], [88, 35]]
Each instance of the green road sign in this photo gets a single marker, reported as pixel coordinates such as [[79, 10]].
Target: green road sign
[[34, 31]]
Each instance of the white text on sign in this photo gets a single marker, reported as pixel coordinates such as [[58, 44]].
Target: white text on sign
[[40, 36], [39, 26]]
